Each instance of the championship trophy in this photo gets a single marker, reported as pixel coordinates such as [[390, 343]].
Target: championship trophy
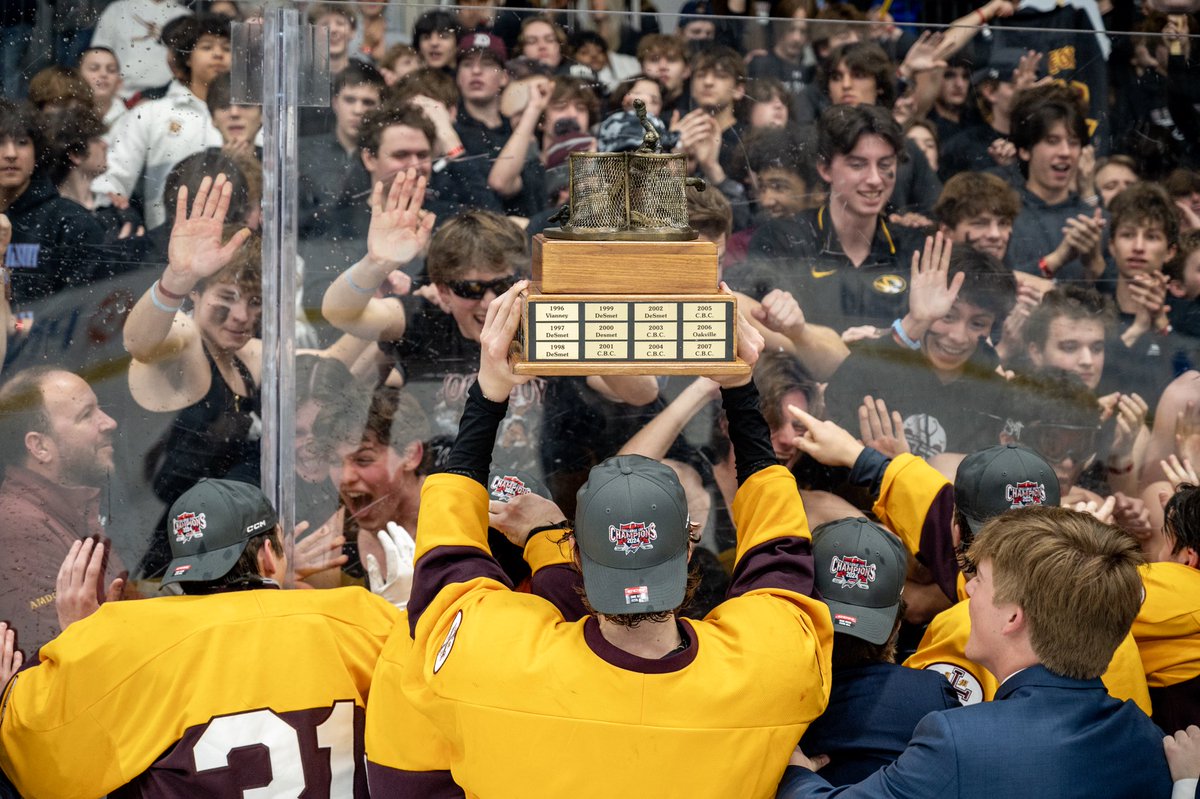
[[623, 286]]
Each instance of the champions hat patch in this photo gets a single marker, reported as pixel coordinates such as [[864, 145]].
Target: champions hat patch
[[507, 486], [188, 525], [1025, 494], [630, 537], [851, 571], [637, 595]]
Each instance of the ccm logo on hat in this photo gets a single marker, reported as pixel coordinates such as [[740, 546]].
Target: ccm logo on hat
[[258, 525], [851, 571], [632, 536], [187, 526], [1025, 494]]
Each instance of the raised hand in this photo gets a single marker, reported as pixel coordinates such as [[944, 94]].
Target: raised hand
[[879, 430], [394, 581], [1187, 432], [195, 250], [931, 292], [1132, 516], [320, 550], [10, 657], [537, 98], [1179, 472], [1149, 293], [1003, 152], [1083, 233], [1189, 219], [1025, 75], [520, 514], [79, 589], [1102, 512], [1012, 337], [1131, 412], [400, 229], [924, 55], [825, 441], [780, 312], [496, 377], [1183, 753], [750, 344]]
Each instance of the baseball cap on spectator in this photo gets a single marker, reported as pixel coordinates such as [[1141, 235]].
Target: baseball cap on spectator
[[631, 530], [860, 573], [485, 44], [998, 479], [999, 66], [524, 67], [693, 11], [622, 132], [209, 526], [574, 69]]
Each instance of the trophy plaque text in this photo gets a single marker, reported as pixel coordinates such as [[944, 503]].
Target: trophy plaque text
[[624, 287]]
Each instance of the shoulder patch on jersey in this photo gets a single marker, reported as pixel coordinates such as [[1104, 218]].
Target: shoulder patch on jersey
[[964, 683], [448, 644]]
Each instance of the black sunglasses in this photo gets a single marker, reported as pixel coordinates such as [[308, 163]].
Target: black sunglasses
[[1057, 442], [475, 289]]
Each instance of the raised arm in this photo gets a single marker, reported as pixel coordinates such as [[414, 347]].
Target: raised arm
[[782, 324], [965, 28], [154, 329], [400, 231], [6, 315], [911, 498], [504, 178], [452, 525], [657, 435]]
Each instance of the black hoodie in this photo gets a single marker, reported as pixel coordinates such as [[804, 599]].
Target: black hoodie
[[56, 243]]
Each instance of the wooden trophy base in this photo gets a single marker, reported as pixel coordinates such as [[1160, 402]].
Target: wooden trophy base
[[628, 334], [624, 267]]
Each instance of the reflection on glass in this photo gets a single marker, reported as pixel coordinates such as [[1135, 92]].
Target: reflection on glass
[[1054, 151]]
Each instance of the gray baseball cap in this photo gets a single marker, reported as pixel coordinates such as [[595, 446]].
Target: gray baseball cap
[[631, 529], [860, 574], [994, 480], [209, 526]]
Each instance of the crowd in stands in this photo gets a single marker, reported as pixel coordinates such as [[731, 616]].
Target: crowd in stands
[[952, 242]]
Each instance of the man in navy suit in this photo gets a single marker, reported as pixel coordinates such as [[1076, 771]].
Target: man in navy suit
[[874, 704], [1053, 593]]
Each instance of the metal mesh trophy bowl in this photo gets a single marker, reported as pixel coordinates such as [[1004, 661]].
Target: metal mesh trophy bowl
[[623, 286]]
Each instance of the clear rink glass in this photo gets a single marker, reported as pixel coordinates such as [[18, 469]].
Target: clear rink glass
[[256, 372]]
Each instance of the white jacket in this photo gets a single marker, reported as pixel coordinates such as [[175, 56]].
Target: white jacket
[[132, 29], [148, 141]]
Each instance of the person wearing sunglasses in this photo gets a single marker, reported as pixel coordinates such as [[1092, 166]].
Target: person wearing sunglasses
[[432, 334]]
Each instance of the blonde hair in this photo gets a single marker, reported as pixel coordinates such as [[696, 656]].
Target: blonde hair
[[1075, 578]]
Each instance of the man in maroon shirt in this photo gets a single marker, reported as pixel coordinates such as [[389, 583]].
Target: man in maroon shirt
[[57, 446]]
